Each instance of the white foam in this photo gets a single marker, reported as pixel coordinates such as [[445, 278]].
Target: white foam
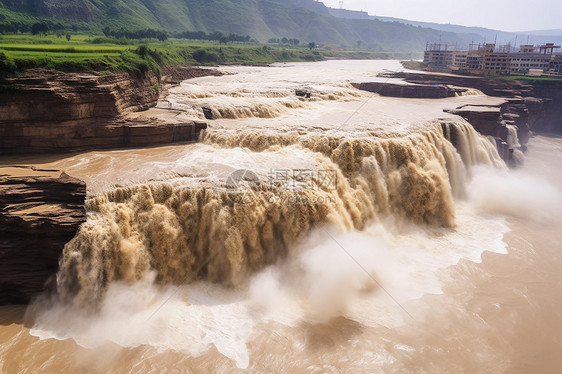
[[187, 319], [515, 193], [333, 274], [369, 276]]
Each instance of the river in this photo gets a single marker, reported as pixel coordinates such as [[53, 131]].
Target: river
[[340, 233]]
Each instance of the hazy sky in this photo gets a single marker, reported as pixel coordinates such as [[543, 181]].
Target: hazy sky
[[507, 15]]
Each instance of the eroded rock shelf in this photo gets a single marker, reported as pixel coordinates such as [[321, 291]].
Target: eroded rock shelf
[[40, 211], [46, 111]]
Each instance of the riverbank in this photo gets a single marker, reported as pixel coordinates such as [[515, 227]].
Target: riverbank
[[104, 56], [543, 115]]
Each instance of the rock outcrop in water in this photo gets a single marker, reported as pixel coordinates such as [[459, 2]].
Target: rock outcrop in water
[[484, 119], [489, 86], [46, 111], [40, 211], [527, 107], [538, 106], [493, 120], [412, 90]]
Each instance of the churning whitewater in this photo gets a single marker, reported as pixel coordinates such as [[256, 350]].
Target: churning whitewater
[[289, 212], [185, 233]]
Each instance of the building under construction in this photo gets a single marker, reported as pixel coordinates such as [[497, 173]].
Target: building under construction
[[487, 59]]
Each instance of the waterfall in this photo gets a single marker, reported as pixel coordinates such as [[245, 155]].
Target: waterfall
[[223, 234]]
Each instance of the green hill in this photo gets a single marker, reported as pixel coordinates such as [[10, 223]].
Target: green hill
[[305, 20]]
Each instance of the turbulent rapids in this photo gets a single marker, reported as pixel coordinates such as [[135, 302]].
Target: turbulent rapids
[[224, 233], [345, 232], [239, 102]]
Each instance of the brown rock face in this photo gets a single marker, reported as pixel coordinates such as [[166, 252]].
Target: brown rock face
[[549, 119], [177, 74], [40, 211], [484, 119], [46, 111], [492, 120], [413, 91], [491, 87], [542, 111], [51, 96]]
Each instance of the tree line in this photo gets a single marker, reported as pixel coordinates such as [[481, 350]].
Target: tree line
[[135, 34], [294, 42], [163, 35], [37, 28], [214, 36], [43, 28]]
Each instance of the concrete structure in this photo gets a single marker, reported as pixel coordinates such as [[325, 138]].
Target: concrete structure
[[473, 62], [533, 58], [556, 64], [438, 56], [496, 63], [460, 59], [484, 59], [487, 59]]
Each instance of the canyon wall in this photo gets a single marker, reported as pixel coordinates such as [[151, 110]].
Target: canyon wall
[[47, 111], [40, 211], [549, 120]]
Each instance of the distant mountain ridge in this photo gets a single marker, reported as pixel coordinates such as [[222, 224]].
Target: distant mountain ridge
[[553, 32], [490, 35], [306, 20]]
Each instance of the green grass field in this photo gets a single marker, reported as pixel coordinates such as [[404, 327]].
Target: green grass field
[[97, 53], [534, 80]]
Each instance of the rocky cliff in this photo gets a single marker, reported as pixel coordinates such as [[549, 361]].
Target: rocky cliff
[[46, 111], [537, 106], [549, 119], [40, 211], [526, 107]]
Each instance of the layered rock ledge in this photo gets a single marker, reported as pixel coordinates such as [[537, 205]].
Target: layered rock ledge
[[525, 107], [412, 90], [539, 105], [40, 211], [47, 111]]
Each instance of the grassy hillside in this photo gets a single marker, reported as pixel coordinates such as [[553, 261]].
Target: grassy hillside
[[261, 19]]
